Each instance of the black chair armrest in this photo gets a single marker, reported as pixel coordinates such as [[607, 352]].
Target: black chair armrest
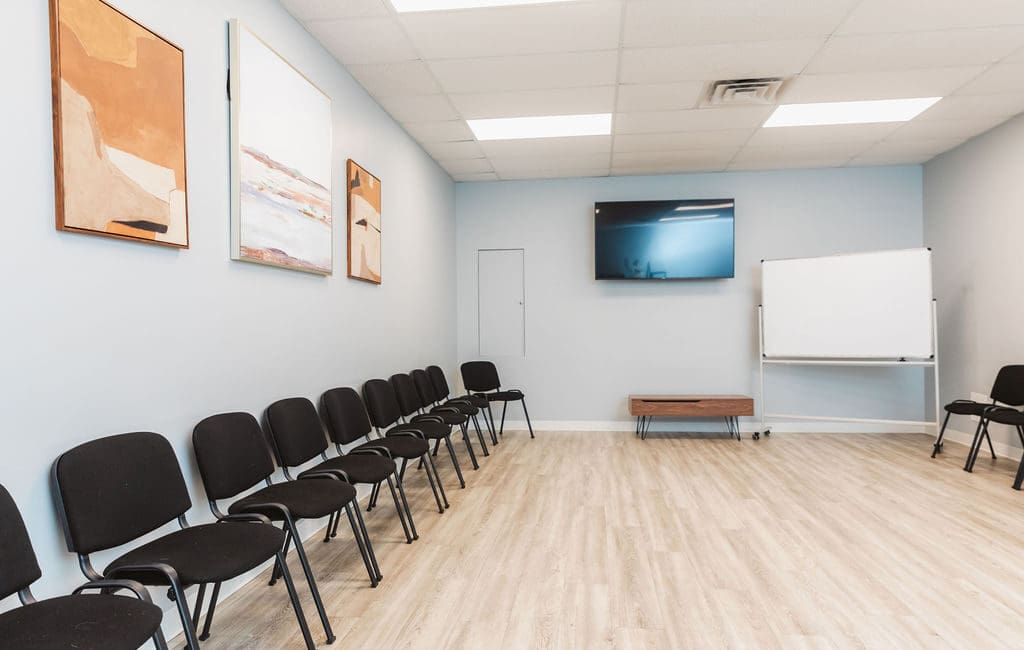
[[332, 474], [156, 568], [515, 390], [253, 509], [116, 585], [427, 418], [370, 451], [445, 409], [407, 433], [252, 517]]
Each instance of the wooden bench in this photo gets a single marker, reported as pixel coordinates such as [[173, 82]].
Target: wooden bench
[[730, 407]]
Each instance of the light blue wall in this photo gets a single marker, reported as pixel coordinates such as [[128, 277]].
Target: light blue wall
[[591, 343], [103, 336]]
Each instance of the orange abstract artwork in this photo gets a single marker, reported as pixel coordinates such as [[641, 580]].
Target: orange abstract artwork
[[364, 233], [119, 126]]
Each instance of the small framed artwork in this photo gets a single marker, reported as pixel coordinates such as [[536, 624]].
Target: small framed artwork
[[118, 126], [364, 234], [281, 208]]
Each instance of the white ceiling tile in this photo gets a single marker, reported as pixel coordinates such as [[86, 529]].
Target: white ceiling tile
[[810, 136], [475, 177], [585, 172], [529, 29], [454, 150], [903, 51], [519, 164], [416, 108], [568, 101], [929, 15], [545, 147], [659, 97], [675, 167], [388, 79], [751, 158], [466, 166], [309, 10], [447, 131], [911, 148], [968, 106], [671, 22], [1000, 78], [364, 40], [720, 61], [887, 84], [1018, 57], [711, 158], [535, 71], [895, 158], [681, 141], [733, 117], [944, 129]]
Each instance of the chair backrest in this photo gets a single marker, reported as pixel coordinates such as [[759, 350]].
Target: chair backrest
[[345, 416], [115, 489], [424, 387], [1008, 388], [232, 454], [405, 391], [439, 381], [18, 565], [381, 403], [480, 376], [296, 431]]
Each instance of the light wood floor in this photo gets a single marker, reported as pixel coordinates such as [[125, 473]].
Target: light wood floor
[[594, 540]]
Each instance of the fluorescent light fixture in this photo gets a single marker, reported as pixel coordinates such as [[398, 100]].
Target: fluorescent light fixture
[[403, 6], [554, 126], [693, 217], [885, 110], [693, 208]]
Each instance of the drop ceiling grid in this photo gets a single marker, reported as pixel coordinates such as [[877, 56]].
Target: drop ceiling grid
[[432, 70]]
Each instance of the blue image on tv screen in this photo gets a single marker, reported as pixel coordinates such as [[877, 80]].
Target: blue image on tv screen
[[664, 240]]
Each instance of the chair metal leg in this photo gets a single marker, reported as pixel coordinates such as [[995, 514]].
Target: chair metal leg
[[159, 642], [369, 544], [275, 574], [975, 446], [469, 447], [209, 612], [437, 445], [527, 414], [504, 408], [480, 436], [408, 512], [372, 502], [401, 513], [337, 520], [198, 611], [177, 594], [300, 551], [942, 432], [494, 427], [330, 524], [455, 460], [989, 439], [359, 542], [401, 472], [1019, 479], [433, 488], [296, 605]]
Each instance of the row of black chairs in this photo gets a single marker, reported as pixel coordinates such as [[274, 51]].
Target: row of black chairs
[[1007, 397], [117, 489]]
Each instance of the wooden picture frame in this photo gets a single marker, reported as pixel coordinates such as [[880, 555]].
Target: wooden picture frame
[[118, 126], [365, 236]]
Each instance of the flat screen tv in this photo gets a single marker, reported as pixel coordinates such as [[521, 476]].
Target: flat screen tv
[[664, 240]]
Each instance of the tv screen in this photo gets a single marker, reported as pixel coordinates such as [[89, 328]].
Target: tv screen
[[664, 240]]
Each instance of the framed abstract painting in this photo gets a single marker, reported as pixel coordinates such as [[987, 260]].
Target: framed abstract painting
[[118, 126], [281, 210], [364, 235]]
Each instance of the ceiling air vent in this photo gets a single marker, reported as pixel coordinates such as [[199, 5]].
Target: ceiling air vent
[[742, 92]]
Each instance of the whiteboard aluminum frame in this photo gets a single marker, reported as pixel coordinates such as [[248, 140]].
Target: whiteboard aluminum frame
[[933, 363]]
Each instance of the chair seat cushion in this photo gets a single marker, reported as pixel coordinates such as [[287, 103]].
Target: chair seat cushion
[[966, 408], [208, 553], [478, 401], [1010, 416], [360, 468], [400, 446], [304, 499], [86, 622], [429, 429], [504, 396]]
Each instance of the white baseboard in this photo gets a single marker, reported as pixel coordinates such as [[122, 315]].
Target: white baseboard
[[715, 425], [962, 438]]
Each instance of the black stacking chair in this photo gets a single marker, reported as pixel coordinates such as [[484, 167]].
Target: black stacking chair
[[116, 489], [1000, 415], [1007, 389], [297, 435], [441, 389], [347, 422], [481, 379], [80, 620], [433, 404], [386, 415], [233, 457], [412, 409]]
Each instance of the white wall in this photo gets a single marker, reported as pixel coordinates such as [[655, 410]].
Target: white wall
[[102, 336], [590, 343], [974, 204]]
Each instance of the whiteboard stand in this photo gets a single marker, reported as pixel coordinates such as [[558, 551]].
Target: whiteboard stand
[[932, 362]]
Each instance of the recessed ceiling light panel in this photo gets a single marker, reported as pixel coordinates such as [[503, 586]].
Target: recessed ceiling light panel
[[554, 126], [867, 112], [404, 6]]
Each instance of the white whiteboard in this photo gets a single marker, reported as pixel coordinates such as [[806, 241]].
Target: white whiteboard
[[861, 306]]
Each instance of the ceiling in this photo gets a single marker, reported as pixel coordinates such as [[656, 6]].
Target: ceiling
[[648, 62]]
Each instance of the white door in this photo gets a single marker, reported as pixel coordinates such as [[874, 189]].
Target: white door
[[500, 300]]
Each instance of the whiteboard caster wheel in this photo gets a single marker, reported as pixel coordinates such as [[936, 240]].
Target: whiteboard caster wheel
[[757, 435]]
